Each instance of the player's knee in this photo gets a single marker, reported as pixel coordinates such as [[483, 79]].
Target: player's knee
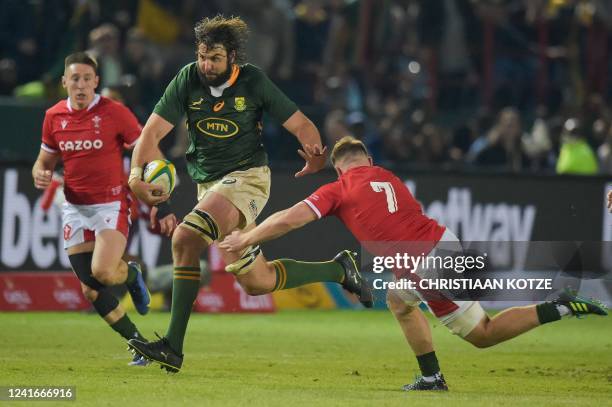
[[103, 273], [196, 232], [481, 337], [398, 307], [89, 293], [184, 242]]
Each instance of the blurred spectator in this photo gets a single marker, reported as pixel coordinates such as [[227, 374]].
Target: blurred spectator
[[105, 47], [141, 60], [449, 33], [335, 127], [311, 31], [431, 145], [604, 153], [409, 77], [537, 143], [576, 156], [271, 44], [502, 147], [8, 76], [18, 39]]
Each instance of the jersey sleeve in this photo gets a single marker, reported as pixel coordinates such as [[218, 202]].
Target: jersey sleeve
[[275, 102], [48, 140], [325, 200], [171, 106], [129, 128]]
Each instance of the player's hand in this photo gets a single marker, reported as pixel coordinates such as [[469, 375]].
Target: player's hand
[[151, 194], [167, 224], [42, 178], [234, 242], [315, 158], [610, 200]]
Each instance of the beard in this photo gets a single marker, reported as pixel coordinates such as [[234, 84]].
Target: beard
[[218, 80]]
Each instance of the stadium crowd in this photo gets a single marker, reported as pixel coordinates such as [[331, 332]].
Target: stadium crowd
[[510, 85]]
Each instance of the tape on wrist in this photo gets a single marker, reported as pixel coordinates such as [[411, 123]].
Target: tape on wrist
[[135, 173]]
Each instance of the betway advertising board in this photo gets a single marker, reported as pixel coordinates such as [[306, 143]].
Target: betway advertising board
[[475, 207]]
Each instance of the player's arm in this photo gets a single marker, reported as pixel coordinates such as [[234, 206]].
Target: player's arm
[[42, 171], [273, 227], [308, 135], [146, 150]]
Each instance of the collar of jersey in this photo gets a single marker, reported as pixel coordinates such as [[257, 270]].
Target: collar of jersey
[[218, 91], [94, 102], [355, 168]]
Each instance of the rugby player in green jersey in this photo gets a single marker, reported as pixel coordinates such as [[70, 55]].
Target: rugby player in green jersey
[[224, 100]]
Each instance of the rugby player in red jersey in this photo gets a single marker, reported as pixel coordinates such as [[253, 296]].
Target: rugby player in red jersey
[[376, 207], [87, 133]]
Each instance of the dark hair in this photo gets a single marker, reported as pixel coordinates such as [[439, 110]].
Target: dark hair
[[230, 32], [81, 58], [347, 146]]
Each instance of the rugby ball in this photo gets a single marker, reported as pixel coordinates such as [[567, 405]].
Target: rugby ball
[[160, 172]]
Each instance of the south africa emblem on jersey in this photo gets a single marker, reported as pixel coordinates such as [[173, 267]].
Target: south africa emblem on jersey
[[239, 103]]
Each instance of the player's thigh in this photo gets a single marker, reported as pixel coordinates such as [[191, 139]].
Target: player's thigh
[[84, 247], [468, 321], [222, 211], [108, 250], [212, 217]]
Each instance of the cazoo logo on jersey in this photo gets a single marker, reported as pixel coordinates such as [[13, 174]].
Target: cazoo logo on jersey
[[217, 127], [80, 145]]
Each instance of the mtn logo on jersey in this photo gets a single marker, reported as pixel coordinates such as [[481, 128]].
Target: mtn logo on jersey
[[80, 145], [217, 127]]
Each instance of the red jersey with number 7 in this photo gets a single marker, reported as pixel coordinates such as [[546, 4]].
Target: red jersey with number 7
[[90, 142], [375, 206]]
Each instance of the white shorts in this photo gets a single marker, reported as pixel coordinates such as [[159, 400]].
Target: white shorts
[[82, 223], [461, 317]]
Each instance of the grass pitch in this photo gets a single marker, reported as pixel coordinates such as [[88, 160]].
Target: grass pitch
[[306, 358]]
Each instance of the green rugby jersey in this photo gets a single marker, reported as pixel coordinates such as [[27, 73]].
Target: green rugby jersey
[[224, 132]]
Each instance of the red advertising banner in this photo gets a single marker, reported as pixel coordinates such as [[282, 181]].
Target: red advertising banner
[[49, 291], [224, 294]]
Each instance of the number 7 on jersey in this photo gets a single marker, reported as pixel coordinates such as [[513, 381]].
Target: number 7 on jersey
[[389, 192]]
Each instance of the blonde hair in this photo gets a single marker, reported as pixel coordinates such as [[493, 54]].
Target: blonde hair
[[347, 145]]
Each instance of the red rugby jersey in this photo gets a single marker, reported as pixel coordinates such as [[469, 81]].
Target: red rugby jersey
[[90, 142], [375, 206]]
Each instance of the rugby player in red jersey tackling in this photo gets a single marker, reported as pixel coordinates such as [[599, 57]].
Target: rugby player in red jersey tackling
[[376, 206]]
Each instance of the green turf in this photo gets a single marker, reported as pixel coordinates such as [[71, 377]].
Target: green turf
[[306, 359]]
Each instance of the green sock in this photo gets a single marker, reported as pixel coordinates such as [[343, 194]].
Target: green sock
[[292, 273], [547, 312], [132, 273], [126, 328], [185, 289]]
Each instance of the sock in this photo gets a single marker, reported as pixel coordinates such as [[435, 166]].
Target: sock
[[185, 289], [563, 310], [547, 312], [126, 328], [132, 273], [292, 273], [428, 363]]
